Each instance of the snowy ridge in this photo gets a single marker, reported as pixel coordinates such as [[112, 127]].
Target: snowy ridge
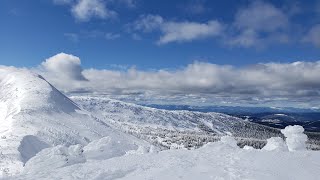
[[35, 115], [176, 127]]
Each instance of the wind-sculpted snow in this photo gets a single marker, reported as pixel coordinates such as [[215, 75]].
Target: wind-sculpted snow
[[218, 160], [295, 138], [35, 115], [275, 144]]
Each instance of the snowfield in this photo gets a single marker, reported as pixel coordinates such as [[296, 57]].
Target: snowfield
[[213, 161], [45, 135]]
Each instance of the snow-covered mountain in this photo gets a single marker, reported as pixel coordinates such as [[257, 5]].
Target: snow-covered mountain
[[45, 135], [174, 129], [34, 115]]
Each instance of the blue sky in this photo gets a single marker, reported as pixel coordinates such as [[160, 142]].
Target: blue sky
[[235, 52], [34, 30]]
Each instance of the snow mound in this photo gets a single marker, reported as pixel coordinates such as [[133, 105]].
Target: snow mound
[[30, 146], [229, 140], [106, 147], [56, 157], [295, 138], [275, 144]]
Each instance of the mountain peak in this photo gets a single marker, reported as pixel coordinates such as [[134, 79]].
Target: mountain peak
[[34, 115]]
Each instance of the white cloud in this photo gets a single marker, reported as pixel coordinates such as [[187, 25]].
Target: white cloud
[[112, 36], [272, 79], [258, 25], [313, 36], [246, 38], [84, 10], [63, 67], [177, 31], [194, 7], [260, 16], [188, 31], [128, 3], [148, 23], [72, 36], [63, 2]]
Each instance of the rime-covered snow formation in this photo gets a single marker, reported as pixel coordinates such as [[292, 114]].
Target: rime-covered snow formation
[[295, 138], [275, 143], [218, 160]]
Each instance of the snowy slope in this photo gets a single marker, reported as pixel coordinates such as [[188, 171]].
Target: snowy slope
[[219, 160], [158, 125], [34, 115]]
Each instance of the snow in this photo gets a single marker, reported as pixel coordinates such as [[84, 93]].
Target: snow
[[213, 161], [35, 115], [229, 140], [45, 135], [295, 138], [172, 129], [275, 144], [105, 148]]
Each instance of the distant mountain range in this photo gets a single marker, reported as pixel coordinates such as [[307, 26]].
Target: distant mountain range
[[269, 116], [234, 109]]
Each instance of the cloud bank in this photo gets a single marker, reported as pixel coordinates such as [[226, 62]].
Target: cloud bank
[[298, 81]]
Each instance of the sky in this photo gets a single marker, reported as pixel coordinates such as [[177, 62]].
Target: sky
[[234, 52]]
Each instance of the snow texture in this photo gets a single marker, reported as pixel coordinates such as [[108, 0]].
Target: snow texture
[[296, 140], [229, 140], [275, 144], [213, 161]]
